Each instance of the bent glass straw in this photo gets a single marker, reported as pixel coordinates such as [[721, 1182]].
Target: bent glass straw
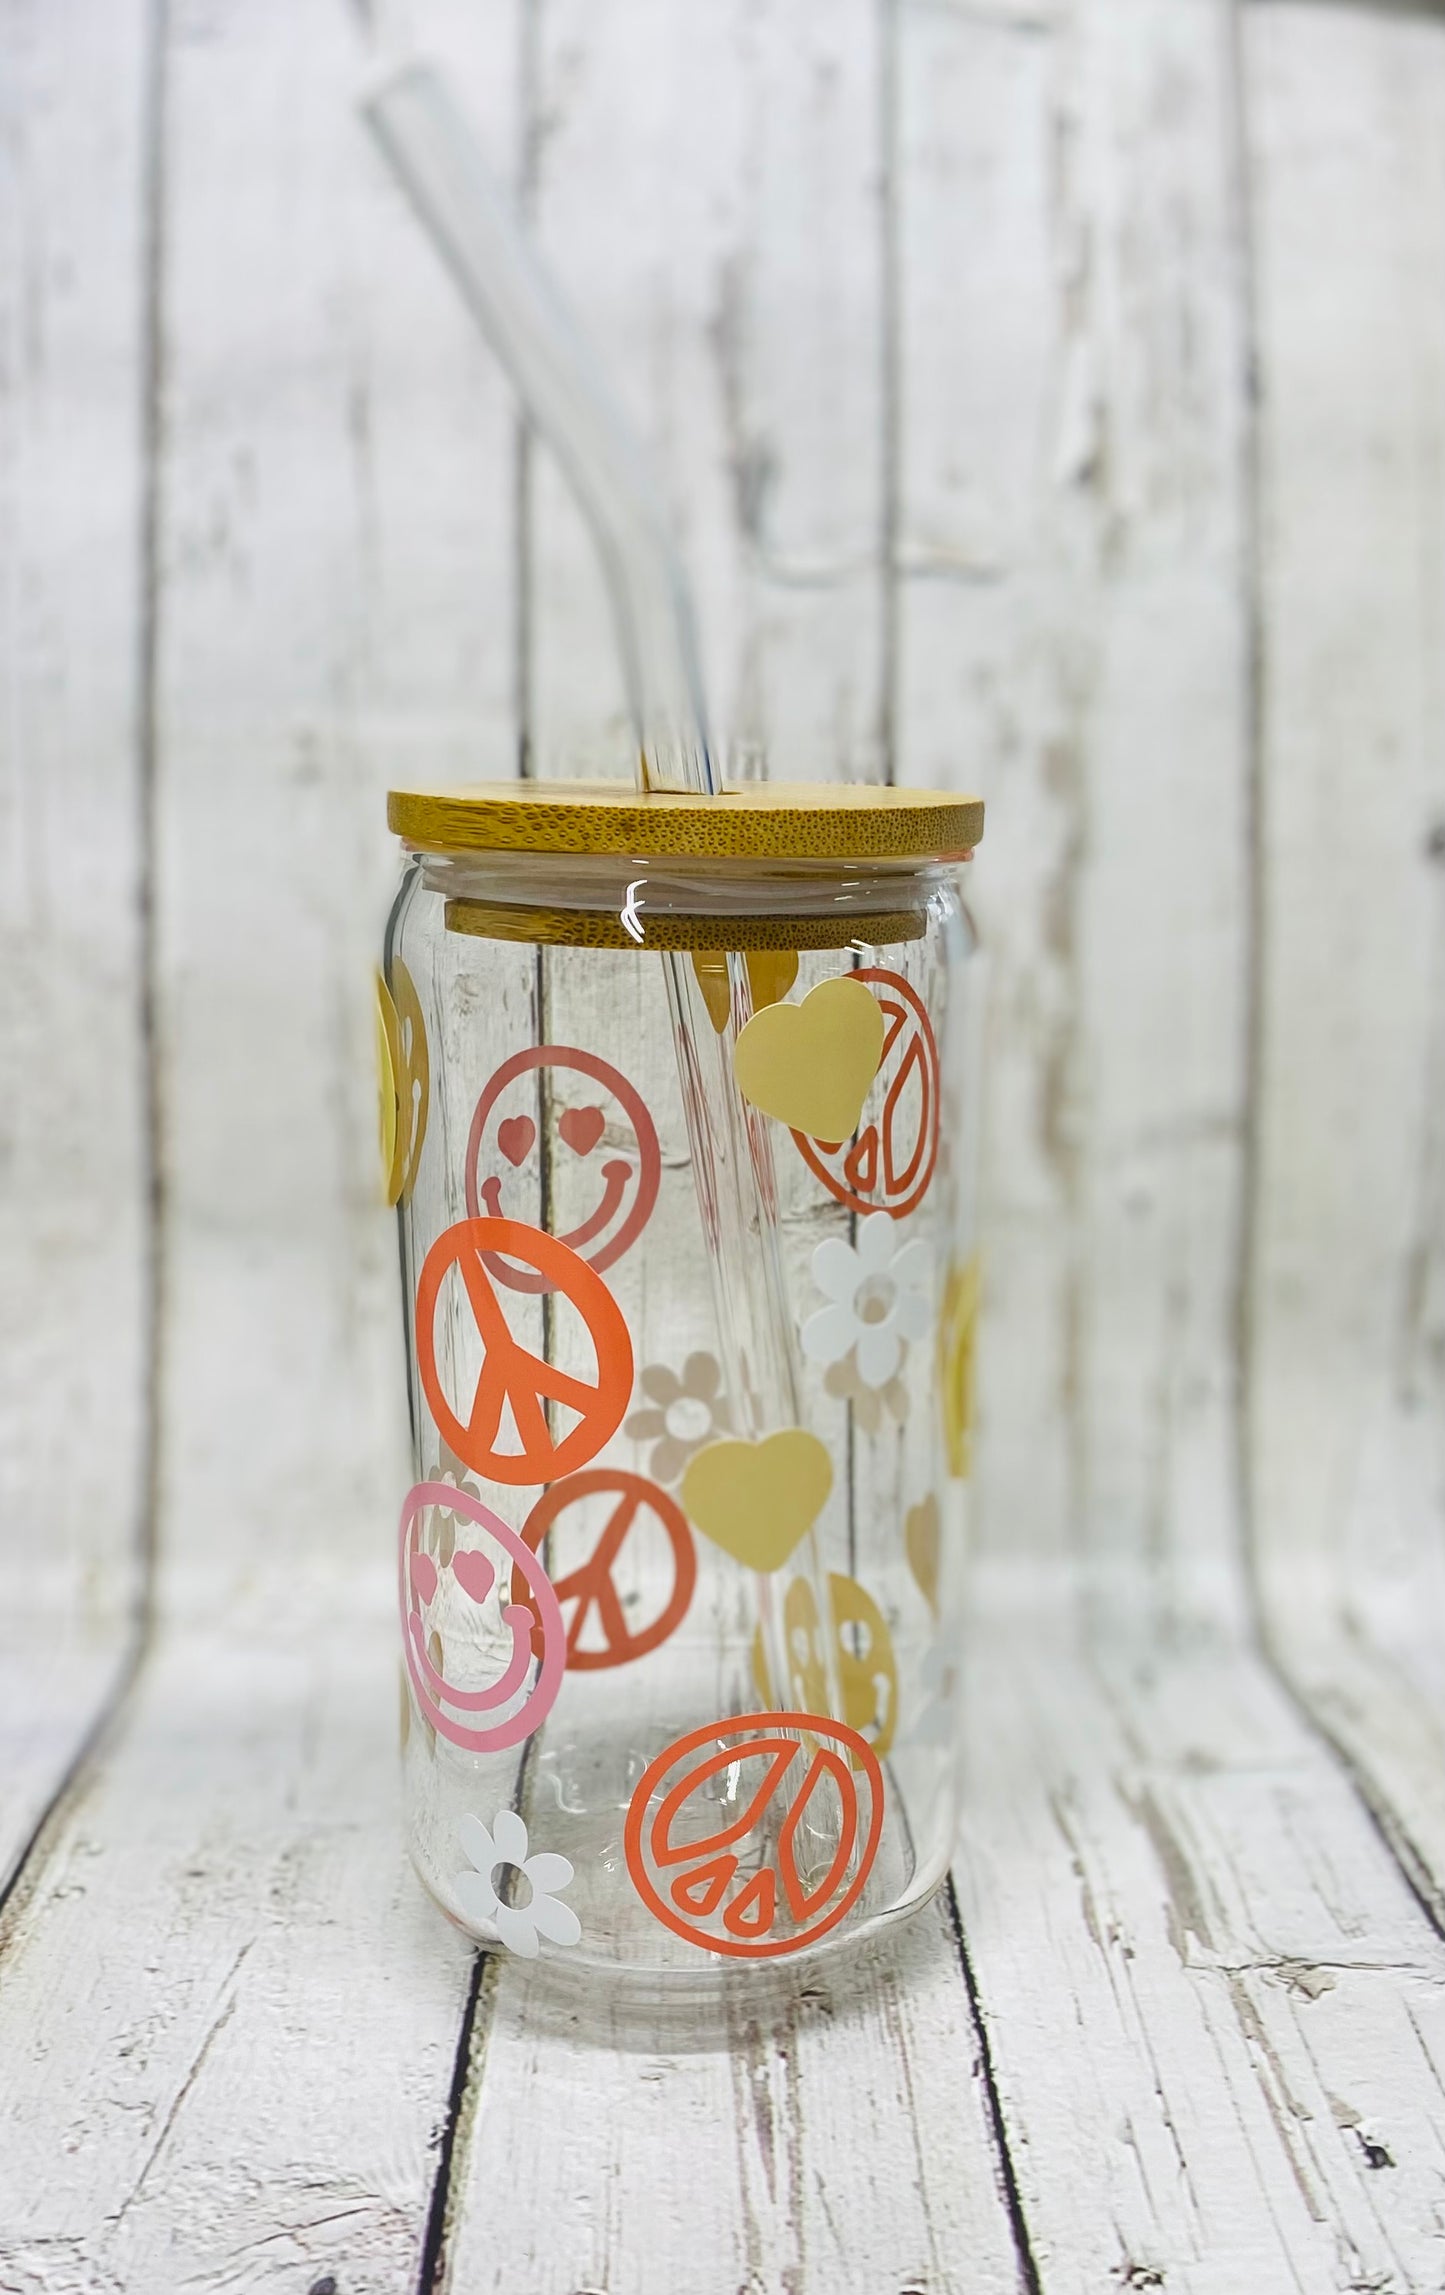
[[435, 157]]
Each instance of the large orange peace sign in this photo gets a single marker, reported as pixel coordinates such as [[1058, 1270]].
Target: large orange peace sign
[[510, 1375], [795, 1846], [591, 1584]]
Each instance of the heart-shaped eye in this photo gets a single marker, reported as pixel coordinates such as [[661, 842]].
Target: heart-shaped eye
[[423, 1577], [515, 1138], [473, 1572], [582, 1128]]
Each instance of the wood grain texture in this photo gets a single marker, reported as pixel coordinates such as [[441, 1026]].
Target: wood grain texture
[[731, 274], [337, 561], [229, 2012], [1347, 112], [1189, 2033], [1213, 2006], [1071, 633], [846, 2134], [73, 1153], [329, 553]]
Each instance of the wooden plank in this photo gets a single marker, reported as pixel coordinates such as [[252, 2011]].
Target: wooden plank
[[1347, 111], [839, 2138], [336, 609], [1072, 637], [802, 349], [334, 602], [731, 273], [1214, 2010], [73, 1209], [635, 226], [229, 2012], [1214, 2016]]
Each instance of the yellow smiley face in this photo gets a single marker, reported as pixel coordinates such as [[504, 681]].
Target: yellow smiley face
[[862, 1654], [957, 1332], [403, 1080]]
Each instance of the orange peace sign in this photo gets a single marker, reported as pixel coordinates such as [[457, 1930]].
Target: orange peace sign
[[830, 1787], [510, 1375], [591, 1585], [890, 1163]]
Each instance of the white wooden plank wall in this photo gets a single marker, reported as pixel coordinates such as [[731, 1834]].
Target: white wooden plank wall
[[75, 1296], [1075, 632], [1346, 118], [1050, 394]]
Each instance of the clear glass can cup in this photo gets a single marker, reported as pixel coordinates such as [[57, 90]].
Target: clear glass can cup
[[678, 1114]]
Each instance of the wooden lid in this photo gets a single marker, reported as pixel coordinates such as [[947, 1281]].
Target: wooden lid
[[764, 821]]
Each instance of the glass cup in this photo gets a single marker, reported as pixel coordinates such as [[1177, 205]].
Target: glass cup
[[678, 1116]]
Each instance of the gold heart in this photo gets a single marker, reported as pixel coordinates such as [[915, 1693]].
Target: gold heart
[[758, 1499], [811, 1064]]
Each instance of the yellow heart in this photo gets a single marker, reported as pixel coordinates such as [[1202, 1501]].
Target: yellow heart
[[758, 1499], [810, 1064]]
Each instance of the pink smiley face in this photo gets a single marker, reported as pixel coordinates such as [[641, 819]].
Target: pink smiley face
[[503, 1139], [470, 1579]]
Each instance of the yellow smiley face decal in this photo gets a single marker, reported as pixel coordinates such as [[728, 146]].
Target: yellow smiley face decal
[[862, 1653], [403, 1080], [957, 1332]]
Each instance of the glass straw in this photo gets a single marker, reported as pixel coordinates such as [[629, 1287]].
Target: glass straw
[[435, 157]]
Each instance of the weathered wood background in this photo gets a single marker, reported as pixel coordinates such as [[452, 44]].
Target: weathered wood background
[[1052, 398]]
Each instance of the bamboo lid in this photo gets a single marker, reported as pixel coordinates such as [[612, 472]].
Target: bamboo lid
[[763, 821]]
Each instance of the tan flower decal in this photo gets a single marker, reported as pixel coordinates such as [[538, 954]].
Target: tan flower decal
[[440, 1535], [870, 1404], [686, 1413]]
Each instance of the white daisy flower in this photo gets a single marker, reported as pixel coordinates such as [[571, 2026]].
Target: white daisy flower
[[520, 1926], [879, 1300]]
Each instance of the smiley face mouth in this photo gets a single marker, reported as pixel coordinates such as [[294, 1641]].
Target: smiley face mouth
[[616, 1175], [520, 1621]]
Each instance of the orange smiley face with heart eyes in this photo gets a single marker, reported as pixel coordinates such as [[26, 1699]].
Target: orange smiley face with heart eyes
[[504, 1136]]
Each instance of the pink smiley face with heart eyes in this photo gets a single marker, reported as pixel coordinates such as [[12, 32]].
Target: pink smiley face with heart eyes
[[517, 1699], [504, 1136]]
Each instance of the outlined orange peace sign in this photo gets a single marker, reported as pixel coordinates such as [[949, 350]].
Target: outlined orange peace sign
[[511, 1377], [731, 1888], [889, 1165], [591, 1585]]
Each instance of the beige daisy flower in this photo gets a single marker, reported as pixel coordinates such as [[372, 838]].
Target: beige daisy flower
[[871, 1405], [440, 1534], [686, 1412]]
